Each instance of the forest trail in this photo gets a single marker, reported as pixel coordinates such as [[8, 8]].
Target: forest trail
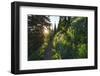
[[48, 53]]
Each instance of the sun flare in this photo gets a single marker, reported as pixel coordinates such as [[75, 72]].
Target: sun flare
[[46, 31]]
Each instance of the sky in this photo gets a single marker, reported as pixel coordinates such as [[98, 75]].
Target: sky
[[54, 20]]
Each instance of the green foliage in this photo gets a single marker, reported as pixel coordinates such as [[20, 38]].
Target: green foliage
[[55, 54], [36, 38], [82, 49], [68, 41], [71, 41]]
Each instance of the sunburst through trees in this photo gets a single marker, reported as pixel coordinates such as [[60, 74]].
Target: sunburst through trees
[[57, 37]]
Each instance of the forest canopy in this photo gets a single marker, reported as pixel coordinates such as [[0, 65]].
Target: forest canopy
[[57, 37]]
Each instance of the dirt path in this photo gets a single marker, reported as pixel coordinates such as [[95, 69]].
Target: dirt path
[[48, 53]]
